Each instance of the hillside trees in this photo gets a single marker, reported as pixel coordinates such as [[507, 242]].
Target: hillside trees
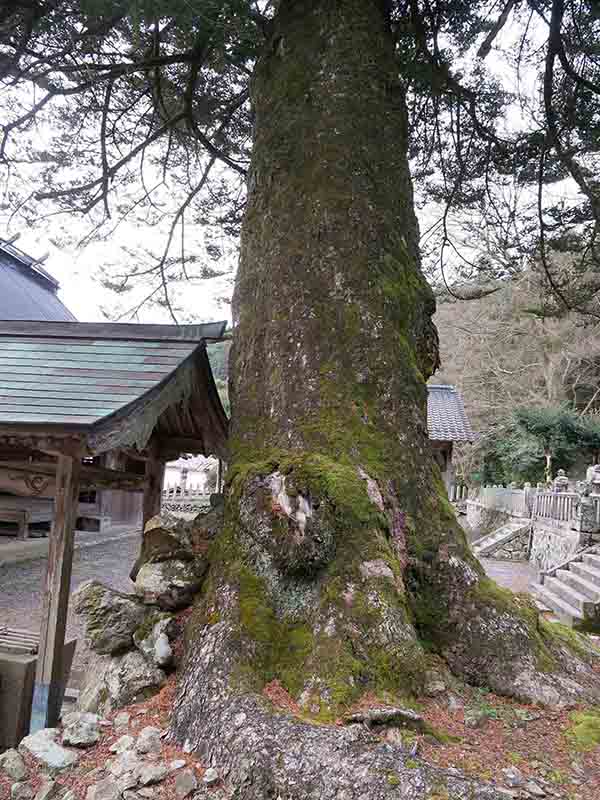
[[532, 444], [516, 348], [341, 569]]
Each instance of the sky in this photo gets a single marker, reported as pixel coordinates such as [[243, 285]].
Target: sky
[[77, 270], [82, 293]]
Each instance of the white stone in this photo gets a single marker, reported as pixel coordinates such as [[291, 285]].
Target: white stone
[[13, 765], [513, 776], [533, 789], [121, 721], [154, 643], [111, 617], [81, 729], [177, 764], [125, 742], [108, 789], [185, 784], [149, 774], [127, 761], [148, 740], [112, 682], [170, 584], [42, 746], [127, 781], [210, 777]]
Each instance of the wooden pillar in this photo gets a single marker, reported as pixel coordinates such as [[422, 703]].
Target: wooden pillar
[[49, 688], [153, 484]]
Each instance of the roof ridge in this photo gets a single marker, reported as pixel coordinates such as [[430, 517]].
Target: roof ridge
[[135, 331], [33, 264]]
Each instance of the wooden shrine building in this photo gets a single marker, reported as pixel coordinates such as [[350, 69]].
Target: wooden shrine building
[[85, 406]]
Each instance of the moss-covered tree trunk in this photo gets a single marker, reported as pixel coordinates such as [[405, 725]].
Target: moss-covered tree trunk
[[341, 569]]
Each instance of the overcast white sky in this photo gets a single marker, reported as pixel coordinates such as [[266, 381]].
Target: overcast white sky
[[81, 292], [77, 270]]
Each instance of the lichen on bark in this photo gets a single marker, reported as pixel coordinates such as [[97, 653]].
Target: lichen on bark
[[341, 567]]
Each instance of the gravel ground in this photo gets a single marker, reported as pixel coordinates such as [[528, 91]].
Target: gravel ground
[[515, 575], [21, 584]]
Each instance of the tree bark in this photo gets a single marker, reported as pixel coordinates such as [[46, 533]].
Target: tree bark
[[341, 554]]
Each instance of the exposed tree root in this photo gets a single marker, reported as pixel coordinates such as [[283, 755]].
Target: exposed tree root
[[264, 754]]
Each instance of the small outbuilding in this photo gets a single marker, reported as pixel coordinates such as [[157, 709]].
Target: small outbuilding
[[90, 406], [447, 423]]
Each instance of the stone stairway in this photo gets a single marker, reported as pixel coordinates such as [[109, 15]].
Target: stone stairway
[[572, 592], [501, 536]]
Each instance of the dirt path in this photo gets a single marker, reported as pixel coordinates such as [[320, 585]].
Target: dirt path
[[21, 584]]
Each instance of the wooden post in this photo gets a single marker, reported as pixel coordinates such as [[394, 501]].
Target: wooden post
[[49, 688], [155, 473]]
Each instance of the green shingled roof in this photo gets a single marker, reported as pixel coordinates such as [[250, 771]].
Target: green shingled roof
[[78, 373]]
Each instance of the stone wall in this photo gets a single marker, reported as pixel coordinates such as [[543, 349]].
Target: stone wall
[[515, 550], [551, 547], [482, 520]]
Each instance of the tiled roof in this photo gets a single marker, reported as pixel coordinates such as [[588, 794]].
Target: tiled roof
[[27, 291], [446, 417], [78, 373]]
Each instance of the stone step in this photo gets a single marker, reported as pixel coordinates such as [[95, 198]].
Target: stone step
[[588, 573], [505, 533], [592, 559], [580, 584], [566, 613], [571, 596]]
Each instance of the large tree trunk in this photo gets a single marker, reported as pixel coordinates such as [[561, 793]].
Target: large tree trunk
[[341, 554]]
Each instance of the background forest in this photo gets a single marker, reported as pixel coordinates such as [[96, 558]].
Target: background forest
[[530, 377]]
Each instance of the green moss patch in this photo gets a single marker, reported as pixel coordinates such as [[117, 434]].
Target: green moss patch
[[584, 733]]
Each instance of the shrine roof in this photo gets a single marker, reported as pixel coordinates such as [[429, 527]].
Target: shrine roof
[[91, 376], [447, 420]]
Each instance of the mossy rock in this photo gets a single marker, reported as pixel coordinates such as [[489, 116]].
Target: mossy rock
[[161, 543], [170, 584], [111, 617]]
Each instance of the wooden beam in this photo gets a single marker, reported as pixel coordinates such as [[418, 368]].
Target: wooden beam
[[25, 438], [28, 478], [49, 688], [153, 482], [180, 444]]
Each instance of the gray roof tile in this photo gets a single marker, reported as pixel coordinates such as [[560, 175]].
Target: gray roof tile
[[27, 291], [446, 417]]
